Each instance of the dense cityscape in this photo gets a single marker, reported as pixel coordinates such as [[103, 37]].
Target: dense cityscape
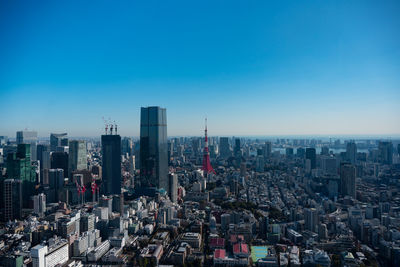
[[156, 200]]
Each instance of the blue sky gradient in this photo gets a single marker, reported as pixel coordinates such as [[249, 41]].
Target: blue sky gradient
[[251, 67]]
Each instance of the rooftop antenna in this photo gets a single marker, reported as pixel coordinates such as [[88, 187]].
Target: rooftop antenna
[[106, 125], [111, 126], [116, 128]]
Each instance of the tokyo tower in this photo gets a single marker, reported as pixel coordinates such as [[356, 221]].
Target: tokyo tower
[[207, 168]]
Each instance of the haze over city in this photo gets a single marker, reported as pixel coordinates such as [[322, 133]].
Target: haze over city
[[266, 69]]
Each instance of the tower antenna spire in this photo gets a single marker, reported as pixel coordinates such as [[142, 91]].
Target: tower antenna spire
[[207, 168]]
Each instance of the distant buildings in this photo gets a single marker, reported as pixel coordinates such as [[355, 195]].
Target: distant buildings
[[111, 164], [153, 148]]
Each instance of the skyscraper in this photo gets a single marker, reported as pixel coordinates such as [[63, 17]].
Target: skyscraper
[[311, 219], [348, 180], [237, 152], [19, 167], [351, 152], [12, 197], [311, 155], [224, 148], [39, 153], [56, 184], [153, 148], [58, 140], [28, 137], [59, 160], [300, 152], [267, 150], [385, 152], [173, 187], [111, 164], [127, 146], [77, 156], [39, 204]]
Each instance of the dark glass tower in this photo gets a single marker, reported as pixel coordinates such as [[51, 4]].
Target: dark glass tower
[[153, 148], [111, 164], [58, 140], [312, 156]]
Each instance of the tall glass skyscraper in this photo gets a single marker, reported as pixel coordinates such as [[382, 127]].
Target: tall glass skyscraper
[[58, 140], [154, 148], [111, 164], [77, 156]]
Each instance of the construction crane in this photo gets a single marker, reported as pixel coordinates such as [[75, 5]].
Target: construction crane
[[78, 189], [94, 188]]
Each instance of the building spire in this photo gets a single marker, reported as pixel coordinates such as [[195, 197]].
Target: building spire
[[207, 168]]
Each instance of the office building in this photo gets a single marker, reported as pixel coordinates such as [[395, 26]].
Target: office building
[[111, 164], [237, 151], [311, 155], [289, 152], [153, 148], [39, 204], [39, 153], [59, 160], [19, 166], [55, 254], [58, 140], [56, 184], [385, 152], [311, 219], [351, 152], [267, 150], [224, 147], [328, 165], [12, 197], [325, 151], [348, 180], [28, 137], [77, 156], [173, 187], [300, 152], [127, 146]]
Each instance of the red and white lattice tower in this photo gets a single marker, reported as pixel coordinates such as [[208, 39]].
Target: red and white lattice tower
[[207, 168]]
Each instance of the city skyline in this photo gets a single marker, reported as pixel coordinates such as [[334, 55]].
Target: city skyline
[[211, 133], [266, 69]]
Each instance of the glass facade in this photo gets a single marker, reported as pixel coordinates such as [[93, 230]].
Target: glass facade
[[111, 164], [77, 156], [153, 148]]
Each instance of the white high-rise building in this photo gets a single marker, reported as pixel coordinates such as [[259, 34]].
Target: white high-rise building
[[38, 254]]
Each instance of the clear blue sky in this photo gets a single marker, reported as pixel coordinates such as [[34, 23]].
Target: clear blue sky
[[251, 67]]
